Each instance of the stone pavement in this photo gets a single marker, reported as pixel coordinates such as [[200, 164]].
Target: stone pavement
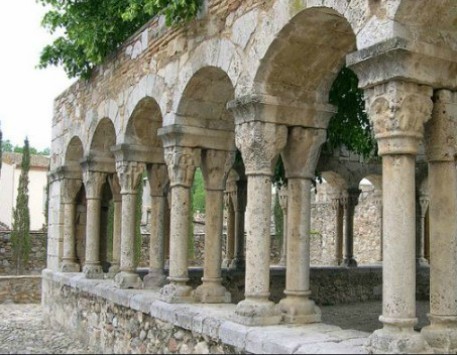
[[22, 330]]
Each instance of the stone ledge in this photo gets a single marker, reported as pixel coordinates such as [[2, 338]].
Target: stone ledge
[[215, 321]]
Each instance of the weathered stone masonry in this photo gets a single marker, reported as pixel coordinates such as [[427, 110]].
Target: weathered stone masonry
[[255, 76]]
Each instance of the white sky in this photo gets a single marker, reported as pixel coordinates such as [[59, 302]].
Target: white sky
[[26, 93]]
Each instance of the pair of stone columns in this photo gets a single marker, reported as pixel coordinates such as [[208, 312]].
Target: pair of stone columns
[[215, 165]]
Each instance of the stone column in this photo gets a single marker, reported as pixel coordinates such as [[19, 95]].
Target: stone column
[[93, 183], [166, 229], [117, 220], [181, 163], [130, 174], [158, 180], [239, 262], [215, 166], [70, 189], [424, 203], [377, 200], [283, 204], [349, 204], [339, 215], [260, 144], [229, 196], [398, 111], [300, 158], [440, 140]]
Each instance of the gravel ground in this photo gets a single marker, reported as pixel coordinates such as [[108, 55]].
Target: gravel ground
[[22, 330]]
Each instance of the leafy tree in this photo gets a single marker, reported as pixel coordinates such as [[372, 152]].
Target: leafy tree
[[7, 146], [95, 28], [198, 192], [20, 235]]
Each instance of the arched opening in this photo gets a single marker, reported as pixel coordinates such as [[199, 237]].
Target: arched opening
[[74, 154]]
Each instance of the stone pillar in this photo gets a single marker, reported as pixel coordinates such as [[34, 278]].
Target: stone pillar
[[349, 204], [339, 216], [215, 165], [377, 199], [181, 163], [283, 204], [424, 203], [117, 220], [229, 196], [239, 262], [130, 174], [260, 144], [158, 180], [93, 183], [70, 189], [440, 136], [398, 111], [166, 229], [300, 158]]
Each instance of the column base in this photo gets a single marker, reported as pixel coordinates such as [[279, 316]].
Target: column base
[[154, 279], [126, 280], [257, 312], [349, 263], [395, 340], [441, 335], [94, 272], [113, 271], [70, 266], [299, 310], [211, 292], [238, 264], [176, 293]]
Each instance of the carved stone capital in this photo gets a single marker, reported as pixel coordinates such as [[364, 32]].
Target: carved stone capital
[[424, 203], [215, 165], [129, 173], [70, 188], [398, 111], [93, 183], [115, 185], [352, 198], [158, 179], [181, 163], [441, 130], [301, 153], [260, 144]]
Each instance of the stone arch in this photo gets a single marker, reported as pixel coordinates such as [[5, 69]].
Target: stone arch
[[204, 100], [304, 59], [143, 123], [74, 153], [102, 140], [375, 180]]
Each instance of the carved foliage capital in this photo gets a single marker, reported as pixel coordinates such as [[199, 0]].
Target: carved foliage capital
[[441, 130], [260, 144], [129, 173], [115, 185], [93, 183], [181, 163], [158, 179], [424, 203], [215, 165], [398, 111], [301, 153], [70, 188]]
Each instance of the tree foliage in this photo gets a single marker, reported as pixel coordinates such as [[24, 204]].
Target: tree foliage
[[8, 147], [92, 29], [20, 235]]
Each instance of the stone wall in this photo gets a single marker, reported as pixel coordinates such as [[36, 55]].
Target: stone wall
[[20, 289], [37, 257]]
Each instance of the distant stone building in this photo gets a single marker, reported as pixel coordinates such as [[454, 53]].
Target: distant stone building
[[9, 182]]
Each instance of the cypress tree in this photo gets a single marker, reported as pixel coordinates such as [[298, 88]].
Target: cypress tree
[[20, 235]]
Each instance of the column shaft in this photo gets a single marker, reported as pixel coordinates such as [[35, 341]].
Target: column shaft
[[239, 262], [92, 267], [117, 223], [230, 240], [69, 247]]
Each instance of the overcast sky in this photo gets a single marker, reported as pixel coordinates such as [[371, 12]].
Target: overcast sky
[[26, 93]]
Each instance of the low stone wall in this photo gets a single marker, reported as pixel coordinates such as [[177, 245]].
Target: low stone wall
[[37, 257], [20, 289], [136, 321]]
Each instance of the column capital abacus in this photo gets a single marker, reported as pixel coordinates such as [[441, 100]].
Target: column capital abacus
[[129, 173], [70, 188], [398, 111], [260, 144], [181, 163], [215, 166], [93, 183], [441, 130], [302, 151], [158, 179]]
